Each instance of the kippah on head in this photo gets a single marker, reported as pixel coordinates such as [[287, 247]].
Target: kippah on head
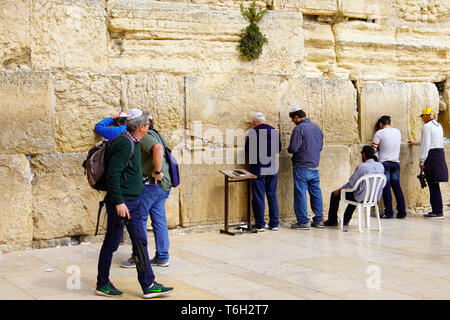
[[134, 113], [259, 117], [295, 108]]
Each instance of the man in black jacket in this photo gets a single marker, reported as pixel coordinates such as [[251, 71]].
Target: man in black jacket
[[262, 146]]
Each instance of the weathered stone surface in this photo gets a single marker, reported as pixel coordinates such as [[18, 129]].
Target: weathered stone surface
[[423, 11], [374, 52], [311, 7], [202, 191], [27, 112], [320, 57], [83, 99], [365, 9], [401, 100], [63, 202], [420, 94], [218, 106], [14, 34], [192, 38], [379, 98], [68, 34], [16, 224], [163, 96], [331, 104]]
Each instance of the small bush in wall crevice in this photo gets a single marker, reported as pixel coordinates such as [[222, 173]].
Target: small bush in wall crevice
[[252, 40]]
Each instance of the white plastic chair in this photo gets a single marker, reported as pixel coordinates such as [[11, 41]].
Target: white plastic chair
[[374, 186]]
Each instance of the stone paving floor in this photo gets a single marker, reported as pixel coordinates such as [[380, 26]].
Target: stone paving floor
[[410, 259]]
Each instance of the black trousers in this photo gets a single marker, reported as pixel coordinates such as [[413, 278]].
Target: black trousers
[[435, 198], [334, 207]]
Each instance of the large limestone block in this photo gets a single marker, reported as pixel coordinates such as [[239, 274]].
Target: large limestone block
[[194, 38], [162, 95], [27, 112], [420, 95], [382, 98], [202, 194], [422, 11], [63, 202], [310, 7], [14, 34], [365, 9], [83, 99], [375, 52], [402, 101], [220, 106], [69, 34], [334, 171], [331, 104], [16, 224]]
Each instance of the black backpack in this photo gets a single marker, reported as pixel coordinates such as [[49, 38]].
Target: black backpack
[[95, 164], [95, 167]]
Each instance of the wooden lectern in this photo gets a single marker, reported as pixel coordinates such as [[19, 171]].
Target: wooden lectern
[[237, 175]]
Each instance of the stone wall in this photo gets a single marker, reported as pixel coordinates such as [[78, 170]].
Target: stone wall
[[66, 64]]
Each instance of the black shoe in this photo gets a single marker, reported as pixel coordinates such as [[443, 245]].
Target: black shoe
[[433, 215], [401, 217], [384, 216], [108, 290], [156, 290]]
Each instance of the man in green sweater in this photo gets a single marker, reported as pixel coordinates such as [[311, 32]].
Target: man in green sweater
[[124, 181], [157, 185]]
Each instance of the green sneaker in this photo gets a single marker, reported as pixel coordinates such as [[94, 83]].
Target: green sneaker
[[156, 290], [108, 290]]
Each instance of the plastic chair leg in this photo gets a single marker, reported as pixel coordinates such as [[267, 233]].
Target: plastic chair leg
[[368, 217], [360, 217], [378, 218]]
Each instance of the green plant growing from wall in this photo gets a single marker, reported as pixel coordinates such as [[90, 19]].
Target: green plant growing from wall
[[252, 40]]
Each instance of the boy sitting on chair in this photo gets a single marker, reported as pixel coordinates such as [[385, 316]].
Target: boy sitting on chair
[[370, 165]]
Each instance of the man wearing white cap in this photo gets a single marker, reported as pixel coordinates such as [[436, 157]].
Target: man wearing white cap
[[157, 185], [262, 146], [111, 127], [432, 160], [124, 182], [305, 145]]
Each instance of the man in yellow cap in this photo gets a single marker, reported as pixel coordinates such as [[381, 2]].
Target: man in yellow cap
[[432, 160]]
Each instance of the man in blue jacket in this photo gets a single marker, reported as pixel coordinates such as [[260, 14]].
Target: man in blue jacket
[[111, 127], [262, 146], [305, 145]]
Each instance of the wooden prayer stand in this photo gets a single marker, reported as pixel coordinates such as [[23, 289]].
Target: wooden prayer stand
[[237, 175]]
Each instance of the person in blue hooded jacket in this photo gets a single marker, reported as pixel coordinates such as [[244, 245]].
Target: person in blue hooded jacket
[[111, 127]]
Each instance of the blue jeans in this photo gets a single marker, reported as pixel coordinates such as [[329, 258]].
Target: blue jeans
[[262, 186], [153, 200], [113, 236], [307, 180], [392, 172]]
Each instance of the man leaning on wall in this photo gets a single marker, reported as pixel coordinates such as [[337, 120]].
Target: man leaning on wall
[[262, 146], [387, 141], [432, 160]]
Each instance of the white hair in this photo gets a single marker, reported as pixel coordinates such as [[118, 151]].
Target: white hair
[[259, 117]]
